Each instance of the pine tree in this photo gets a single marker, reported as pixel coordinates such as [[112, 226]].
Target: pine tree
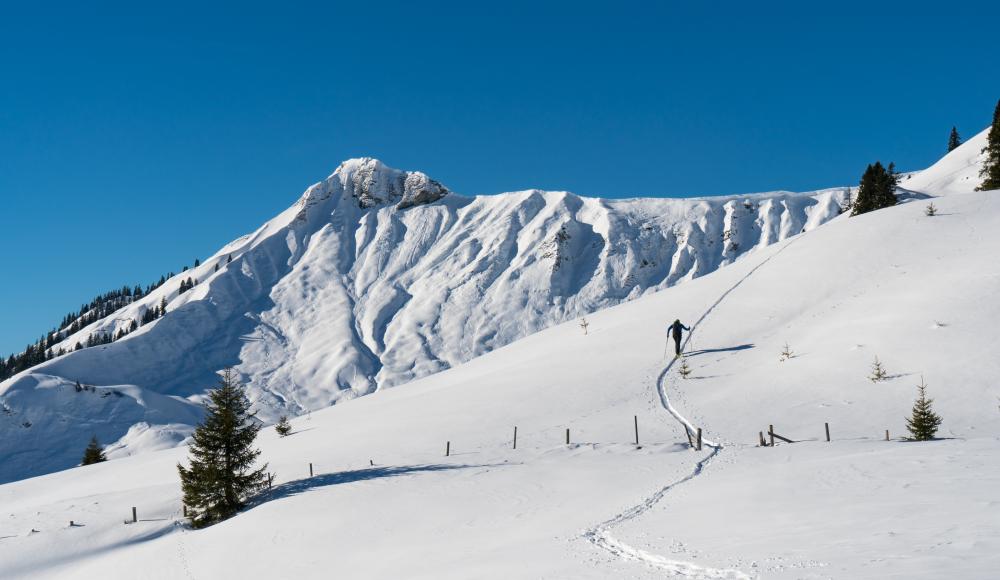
[[878, 372], [888, 184], [923, 422], [954, 140], [846, 205], [877, 189], [221, 475], [283, 427], [163, 307], [94, 453], [931, 210], [991, 167], [864, 201]]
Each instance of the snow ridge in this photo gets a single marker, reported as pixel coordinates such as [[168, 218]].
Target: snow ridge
[[845, 504], [376, 277]]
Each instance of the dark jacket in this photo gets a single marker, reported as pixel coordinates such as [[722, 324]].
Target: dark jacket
[[675, 329]]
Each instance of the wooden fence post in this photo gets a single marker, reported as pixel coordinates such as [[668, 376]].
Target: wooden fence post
[[827, 427], [698, 448], [760, 434], [135, 515], [515, 436], [886, 434], [567, 436], [310, 470], [447, 449], [770, 432], [636, 430]]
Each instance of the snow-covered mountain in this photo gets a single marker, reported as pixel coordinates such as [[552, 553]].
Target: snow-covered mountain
[[918, 292], [373, 278]]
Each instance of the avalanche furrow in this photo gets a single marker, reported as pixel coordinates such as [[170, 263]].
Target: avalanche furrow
[[600, 534]]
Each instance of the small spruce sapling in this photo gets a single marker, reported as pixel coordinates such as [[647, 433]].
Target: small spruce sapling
[[584, 324], [787, 353], [923, 422], [684, 369], [878, 372], [931, 210], [283, 427]]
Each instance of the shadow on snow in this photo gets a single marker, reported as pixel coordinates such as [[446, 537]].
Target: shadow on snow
[[711, 350], [299, 486]]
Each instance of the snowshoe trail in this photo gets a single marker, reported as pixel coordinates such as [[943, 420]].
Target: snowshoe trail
[[600, 535], [182, 553]]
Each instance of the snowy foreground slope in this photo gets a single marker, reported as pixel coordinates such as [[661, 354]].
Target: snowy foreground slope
[[918, 292], [373, 278]]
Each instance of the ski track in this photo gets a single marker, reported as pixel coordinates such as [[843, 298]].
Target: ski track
[[600, 535]]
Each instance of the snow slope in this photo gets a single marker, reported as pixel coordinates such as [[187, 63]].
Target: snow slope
[[956, 172], [375, 277], [916, 291]]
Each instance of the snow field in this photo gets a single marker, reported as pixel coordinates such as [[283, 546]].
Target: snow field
[[847, 509], [918, 292]]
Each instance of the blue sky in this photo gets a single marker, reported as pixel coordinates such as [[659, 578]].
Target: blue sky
[[137, 137]]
